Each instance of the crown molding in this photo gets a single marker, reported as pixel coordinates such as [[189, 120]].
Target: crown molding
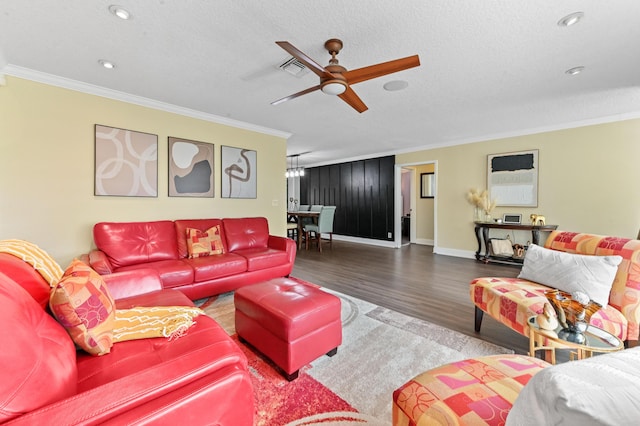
[[78, 86]]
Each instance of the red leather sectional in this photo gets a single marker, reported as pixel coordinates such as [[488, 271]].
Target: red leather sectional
[[199, 378], [251, 254]]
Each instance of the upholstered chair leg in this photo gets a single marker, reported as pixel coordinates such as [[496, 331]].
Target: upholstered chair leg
[[478, 319], [331, 240], [307, 234], [319, 242]]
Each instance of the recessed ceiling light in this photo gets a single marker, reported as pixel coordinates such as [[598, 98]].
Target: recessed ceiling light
[[574, 70], [107, 64], [571, 19], [120, 12], [395, 85]]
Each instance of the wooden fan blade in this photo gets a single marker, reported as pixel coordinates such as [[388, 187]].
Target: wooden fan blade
[[295, 95], [350, 97], [384, 68], [310, 63]]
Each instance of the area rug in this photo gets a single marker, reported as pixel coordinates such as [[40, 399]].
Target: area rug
[[381, 350]]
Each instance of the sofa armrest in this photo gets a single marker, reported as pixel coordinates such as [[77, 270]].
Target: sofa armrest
[[99, 261], [285, 244], [193, 379], [132, 283]]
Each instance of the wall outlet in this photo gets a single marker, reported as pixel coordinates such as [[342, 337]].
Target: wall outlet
[[389, 234]]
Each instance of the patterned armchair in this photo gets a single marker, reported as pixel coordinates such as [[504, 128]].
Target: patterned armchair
[[512, 301]]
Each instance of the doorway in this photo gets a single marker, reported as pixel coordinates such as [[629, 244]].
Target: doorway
[[415, 215], [407, 178]]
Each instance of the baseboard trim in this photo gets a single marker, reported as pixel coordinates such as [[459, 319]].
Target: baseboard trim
[[454, 252], [360, 240], [423, 241]]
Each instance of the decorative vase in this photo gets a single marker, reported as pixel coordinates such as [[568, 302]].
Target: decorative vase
[[478, 214], [573, 316]]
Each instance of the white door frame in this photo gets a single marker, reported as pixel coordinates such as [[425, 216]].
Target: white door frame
[[397, 240]]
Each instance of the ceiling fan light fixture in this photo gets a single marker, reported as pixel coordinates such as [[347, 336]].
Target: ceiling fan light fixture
[[334, 87]]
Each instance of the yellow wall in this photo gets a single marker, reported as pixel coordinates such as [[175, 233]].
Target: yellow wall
[[47, 167], [588, 181]]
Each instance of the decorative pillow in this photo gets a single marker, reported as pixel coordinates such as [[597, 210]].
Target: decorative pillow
[[570, 272], [200, 244], [82, 304]]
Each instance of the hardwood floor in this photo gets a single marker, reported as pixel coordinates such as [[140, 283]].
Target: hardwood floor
[[411, 280]]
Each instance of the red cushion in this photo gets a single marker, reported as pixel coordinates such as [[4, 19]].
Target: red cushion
[[131, 243], [244, 233], [222, 265], [173, 273], [263, 258], [38, 357]]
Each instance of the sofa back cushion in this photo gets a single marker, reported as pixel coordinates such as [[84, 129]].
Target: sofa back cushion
[[244, 233], [37, 356], [132, 243], [182, 225], [28, 278]]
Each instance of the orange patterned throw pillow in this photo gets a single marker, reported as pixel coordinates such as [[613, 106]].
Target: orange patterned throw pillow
[[204, 243], [82, 304]]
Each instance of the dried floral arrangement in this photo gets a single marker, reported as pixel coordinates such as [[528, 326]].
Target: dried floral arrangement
[[480, 199]]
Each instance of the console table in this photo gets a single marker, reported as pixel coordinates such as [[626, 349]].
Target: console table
[[482, 235]]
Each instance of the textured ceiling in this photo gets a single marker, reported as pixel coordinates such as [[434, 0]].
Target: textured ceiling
[[488, 68]]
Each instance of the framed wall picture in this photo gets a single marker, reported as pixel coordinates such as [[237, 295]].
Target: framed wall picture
[[512, 178], [427, 185], [239, 176], [126, 162], [190, 168]]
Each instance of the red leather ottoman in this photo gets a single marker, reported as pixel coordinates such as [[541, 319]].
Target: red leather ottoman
[[289, 322]]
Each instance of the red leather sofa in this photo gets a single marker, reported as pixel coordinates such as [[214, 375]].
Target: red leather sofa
[[250, 255], [198, 378]]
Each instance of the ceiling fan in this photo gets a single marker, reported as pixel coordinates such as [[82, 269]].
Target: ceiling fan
[[336, 80]]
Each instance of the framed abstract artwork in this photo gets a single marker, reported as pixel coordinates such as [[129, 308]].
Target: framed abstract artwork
[[190, 168], [126, 162], [512, 178], [239, 177]]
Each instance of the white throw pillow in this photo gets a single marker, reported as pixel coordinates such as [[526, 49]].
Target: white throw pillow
[[592, 275]]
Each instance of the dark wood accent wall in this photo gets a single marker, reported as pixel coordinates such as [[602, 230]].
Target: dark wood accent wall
[[362, 191]]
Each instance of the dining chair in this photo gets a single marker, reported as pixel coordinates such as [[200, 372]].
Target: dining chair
[[303, 208], [292, 230], [324, 226]]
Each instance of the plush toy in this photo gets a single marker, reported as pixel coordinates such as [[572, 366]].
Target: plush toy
[[537, 219], [547, 319]]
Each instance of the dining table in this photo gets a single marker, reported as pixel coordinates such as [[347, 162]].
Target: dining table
[[297, 216]]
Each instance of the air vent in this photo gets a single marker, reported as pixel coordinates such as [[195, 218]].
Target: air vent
[[294, 67]]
